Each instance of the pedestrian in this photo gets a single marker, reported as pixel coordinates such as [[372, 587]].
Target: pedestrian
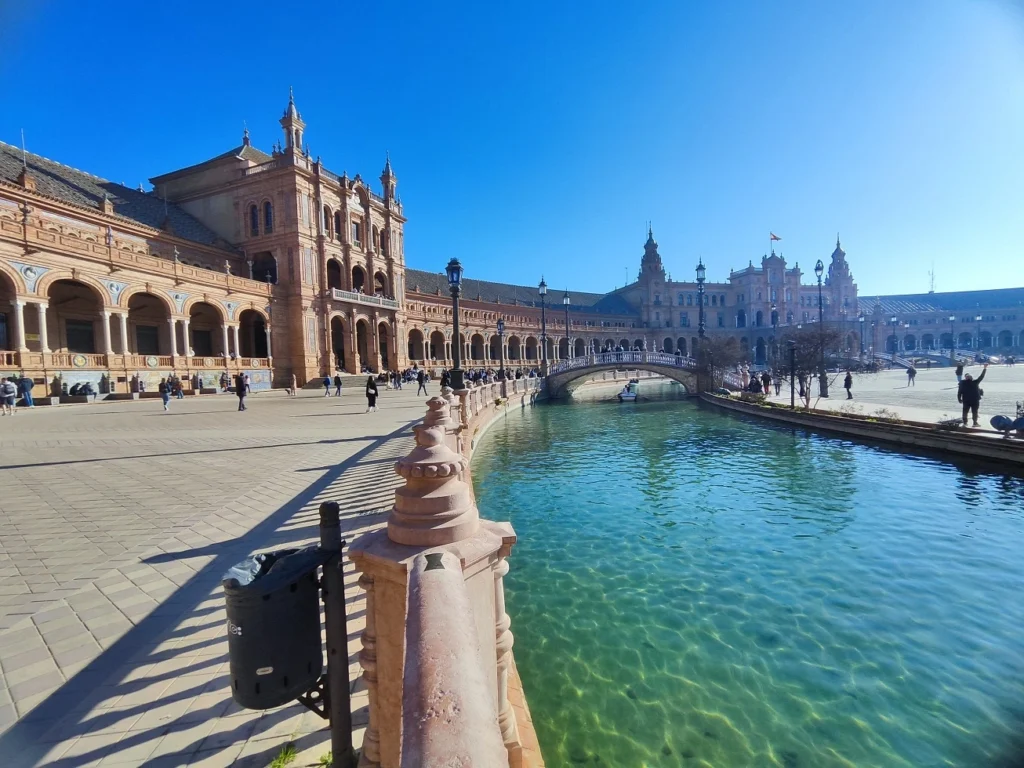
[[327, 385], [25, 385], [778, 384], [165, 393], [225, 382], [959, 372], [969, 395], [766, 382], [179, 388], [421, 379], [446, 378], [745, 377], [371, 394], [241, 390], [848, 385], [8, 393], [295, 386], [911, 375], [337, 384]]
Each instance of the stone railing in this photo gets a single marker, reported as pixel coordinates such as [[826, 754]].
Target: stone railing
[[437, 645], [8, 359], [270, 165], [361, 298], [635, 357]]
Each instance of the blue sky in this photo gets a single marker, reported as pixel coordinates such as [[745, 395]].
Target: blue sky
[[535, 138]]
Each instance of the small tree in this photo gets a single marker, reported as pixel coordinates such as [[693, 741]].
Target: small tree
[[715, 355], [809, 349]]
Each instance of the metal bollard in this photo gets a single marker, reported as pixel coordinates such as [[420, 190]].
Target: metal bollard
[[339, 707]]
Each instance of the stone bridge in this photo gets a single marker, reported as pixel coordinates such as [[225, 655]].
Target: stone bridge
[[565, 375]]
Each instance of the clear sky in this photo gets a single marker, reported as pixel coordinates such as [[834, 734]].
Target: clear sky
[[535, 138]]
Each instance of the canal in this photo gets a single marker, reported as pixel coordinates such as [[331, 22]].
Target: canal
[[696, 589]]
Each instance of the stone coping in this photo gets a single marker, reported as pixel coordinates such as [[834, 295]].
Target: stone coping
[[920, 435]]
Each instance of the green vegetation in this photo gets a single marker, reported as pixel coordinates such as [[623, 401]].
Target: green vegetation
[[285, 757]]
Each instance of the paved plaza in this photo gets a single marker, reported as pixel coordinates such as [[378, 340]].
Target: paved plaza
[[933, 396], [117, 522]]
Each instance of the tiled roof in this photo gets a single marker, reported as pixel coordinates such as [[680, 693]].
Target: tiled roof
[[76, 187], [243, 151], [525, 295], [955, 301]]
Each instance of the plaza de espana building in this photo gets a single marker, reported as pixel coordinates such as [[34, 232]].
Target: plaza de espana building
[[273, 265]]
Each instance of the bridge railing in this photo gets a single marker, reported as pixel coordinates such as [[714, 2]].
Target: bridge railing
[[637, 358]]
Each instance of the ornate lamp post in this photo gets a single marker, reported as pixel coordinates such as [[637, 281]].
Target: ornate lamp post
[[775, 331], [568, 341], [819, 269], [861, 321], [542, 289], [501, 348], [977, 319], [701, 273], [895, 340], [454, 270], [952, 338]]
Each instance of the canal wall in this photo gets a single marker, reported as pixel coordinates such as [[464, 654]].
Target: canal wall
[[921, 435]]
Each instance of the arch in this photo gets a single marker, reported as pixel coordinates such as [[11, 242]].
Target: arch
[[73, 317], [205, 324], [148, 327], [1005, 338], [339, 330], [515, 348], [531, 348], [476, 347], [252, 333], [964, 340], [494, 347], [928, 341], [363, 345], [191, 303], [268, 222], [946, 341], [134, 290], [416, 346], [667, 345], [714, 300], [984, 339], [334, 270], [562, 383], [384, 346], [254, 221], [264, 267], [45, 283], [338, 231], [760, 351], [358, 279], [437, 346], [910, 342], [563, 349], [637, 344], [380, 284], [759, 319], [891, 344], [775, 317], [741, 319], [681, 346], [580, 348]]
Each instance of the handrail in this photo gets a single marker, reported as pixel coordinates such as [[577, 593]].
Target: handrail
[[665, 359], [361, 298]]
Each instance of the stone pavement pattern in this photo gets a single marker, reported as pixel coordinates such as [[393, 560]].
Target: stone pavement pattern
[[933, 396], [117, 522]]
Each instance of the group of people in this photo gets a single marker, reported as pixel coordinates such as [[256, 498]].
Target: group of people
[[10, 389]]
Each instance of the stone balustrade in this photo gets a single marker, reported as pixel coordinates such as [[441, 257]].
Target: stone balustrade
[[437, 646]]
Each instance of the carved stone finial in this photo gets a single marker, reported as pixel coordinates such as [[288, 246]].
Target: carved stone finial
[[435, 506]]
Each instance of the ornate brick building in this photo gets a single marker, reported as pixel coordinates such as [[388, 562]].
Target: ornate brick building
[[272, 264]]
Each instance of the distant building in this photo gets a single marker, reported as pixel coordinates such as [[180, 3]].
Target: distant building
[[271, 264]]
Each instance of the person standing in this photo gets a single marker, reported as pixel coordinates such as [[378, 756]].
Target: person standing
[[295, 386], [766, 382], [911, 375], [848, 385], [8, 393], [969, 395], [421, 380], [241, 390], [371, 394], [778, 384], [165, 393], [337, 384], [959, 372], [25, 385], [327, 385], [446, 378]]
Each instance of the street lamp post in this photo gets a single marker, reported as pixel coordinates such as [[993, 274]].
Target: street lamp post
[[542, 289], [861, 321], [501, 348], [895, 340], [977, 346], [454, 270], [819, 269], [775, 332], [952, 339], [701, 274], [792, 374], [568, 341]]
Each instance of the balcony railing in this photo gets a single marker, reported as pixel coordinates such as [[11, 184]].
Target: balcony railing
[[361, 298], [262, 168]]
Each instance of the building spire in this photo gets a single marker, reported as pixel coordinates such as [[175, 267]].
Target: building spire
[[387, 163], [245, 134]]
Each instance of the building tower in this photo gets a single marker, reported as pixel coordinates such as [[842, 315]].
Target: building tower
[[293, 125], [841, 289], [388, 180]]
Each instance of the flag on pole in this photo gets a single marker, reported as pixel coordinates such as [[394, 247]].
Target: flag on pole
[[774, 236]]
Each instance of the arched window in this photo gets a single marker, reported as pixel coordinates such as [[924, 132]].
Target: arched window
[[680, 299], [721, 300], [714, 301], [337, 225], [328, 221], [254, 221], [268, 218], [689, 299]]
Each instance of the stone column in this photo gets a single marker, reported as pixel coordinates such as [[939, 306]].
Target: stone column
[[123, 318], [44, 345], [269, 353], [19, 323], [225, 344], [503, 643], [184, 337], [108, 348], [234, 334], [172, 326]]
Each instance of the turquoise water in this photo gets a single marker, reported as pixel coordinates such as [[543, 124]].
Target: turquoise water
[[695, 589]]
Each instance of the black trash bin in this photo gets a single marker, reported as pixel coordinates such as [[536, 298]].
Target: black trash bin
[[273, 624]]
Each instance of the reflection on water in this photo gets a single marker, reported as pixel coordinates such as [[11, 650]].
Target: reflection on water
[[694, 589]]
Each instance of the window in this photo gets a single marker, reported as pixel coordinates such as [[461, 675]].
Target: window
[[357, 232], [758, 295], [689, 299], [684, 319], [337, 225], [254, 221], [721, 320], [268, 218], [680, 299], [80, 336], [721, 300], [714, 301]]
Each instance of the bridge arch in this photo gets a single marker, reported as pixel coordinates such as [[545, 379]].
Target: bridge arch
[[564, 375]]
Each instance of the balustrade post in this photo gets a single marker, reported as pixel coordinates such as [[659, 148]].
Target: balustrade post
[[172, 327], [503, 642], [370, 754]]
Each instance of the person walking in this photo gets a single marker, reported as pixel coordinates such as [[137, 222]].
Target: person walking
[[777, 378], [421, 379], [848, 385], [766, 382], [969, 395], [959, 372], [371, 394], [25, 385], [165, 393], [327, 385], [241, 390], [8, 393], [337, 385], [911, 375], [446, 378]]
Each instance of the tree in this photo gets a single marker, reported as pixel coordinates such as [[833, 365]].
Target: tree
[[809, 348], [715, 355]]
